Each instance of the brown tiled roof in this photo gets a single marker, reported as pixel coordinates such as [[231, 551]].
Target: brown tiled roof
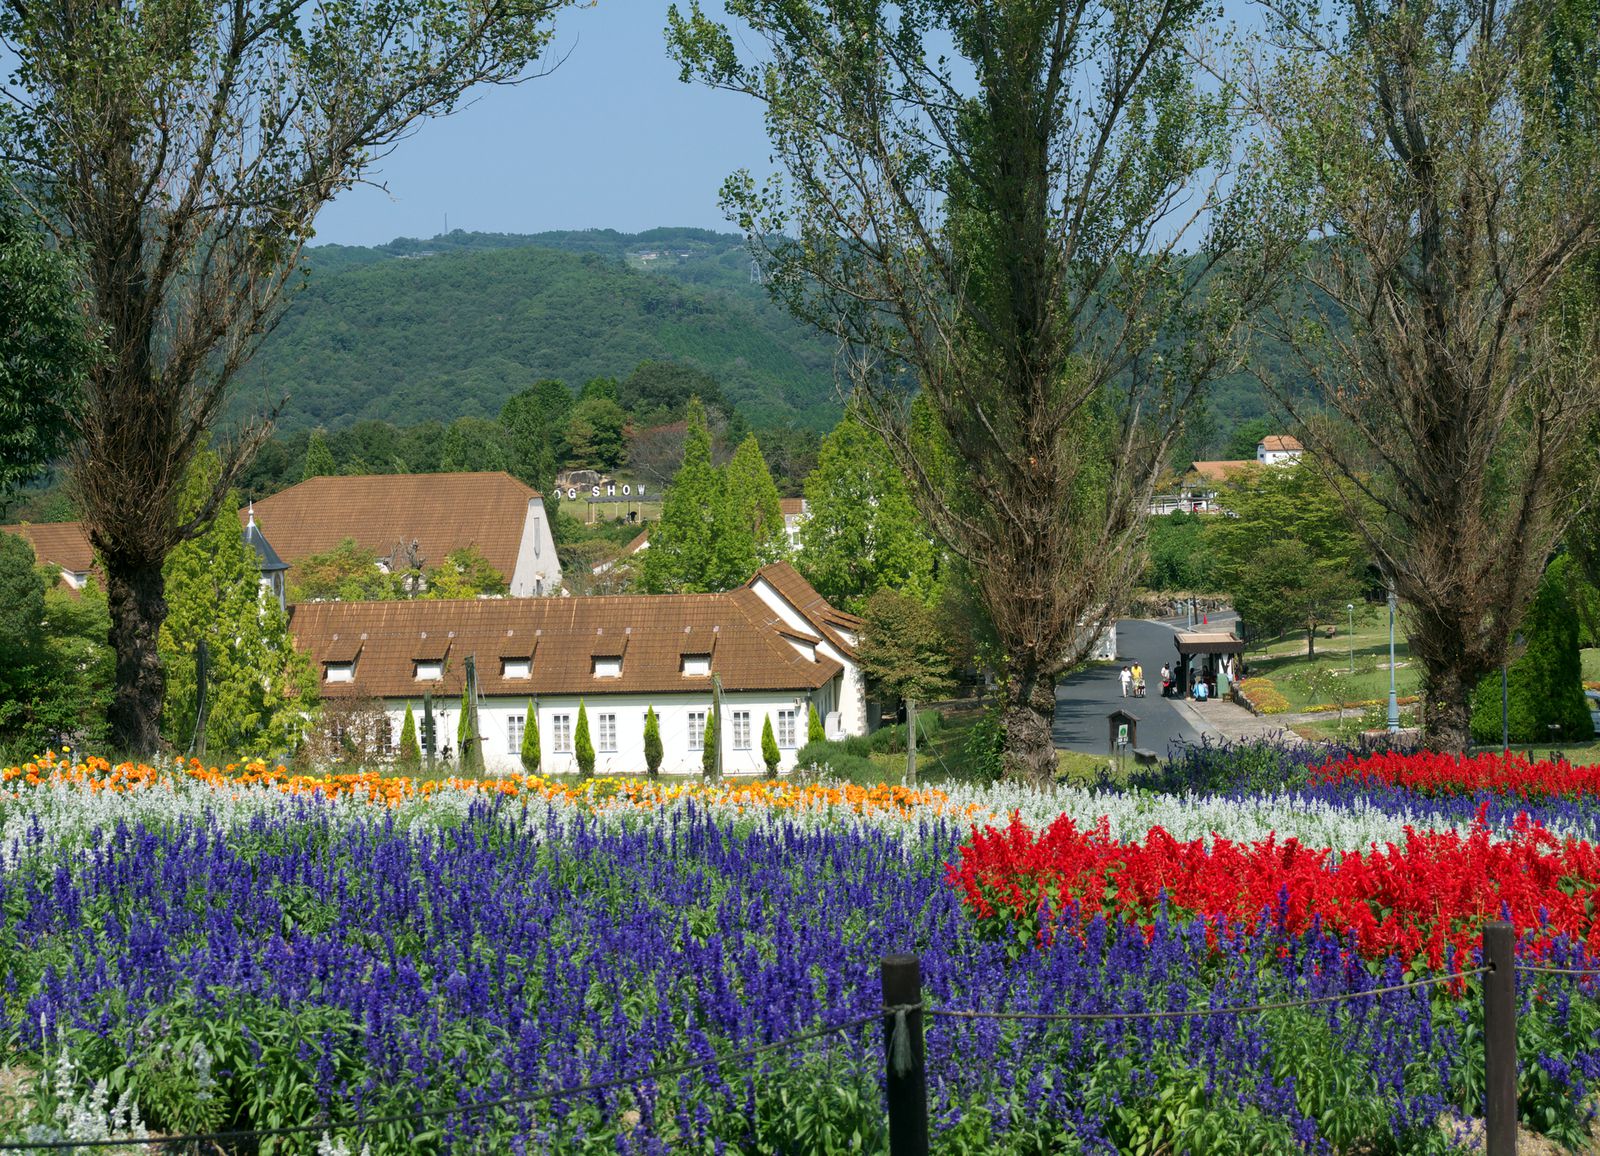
[[441, 512], [792, 507], [818, 611], [651, 632], [64, 544], [1276, 443], [1219, 471]]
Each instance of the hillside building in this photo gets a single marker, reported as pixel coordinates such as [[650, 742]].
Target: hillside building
[[64, 545], [775, 646]]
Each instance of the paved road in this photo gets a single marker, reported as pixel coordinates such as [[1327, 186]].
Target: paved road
[[1086, 697]]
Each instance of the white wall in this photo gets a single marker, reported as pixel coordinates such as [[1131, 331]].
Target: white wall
[[538, 571], [672, 711], [852, 702]]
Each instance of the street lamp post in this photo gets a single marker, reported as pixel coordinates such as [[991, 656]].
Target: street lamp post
[[1351, 607], [1394, 703]]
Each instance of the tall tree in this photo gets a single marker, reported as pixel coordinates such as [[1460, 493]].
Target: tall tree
[[682, 545], [903, 653], [750, 532], [1287, 554], [1448, 182], [260, 690], [536, 419], [184, 148], [863, 533], [989, 204], [319, 461], [44, 352], [596, 433]]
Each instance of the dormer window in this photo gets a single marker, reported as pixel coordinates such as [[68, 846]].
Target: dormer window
[[608, 666], [698, 665], [429, 671], [515, 667], [338, 671]]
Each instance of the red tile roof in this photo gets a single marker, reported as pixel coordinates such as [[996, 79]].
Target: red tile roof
[[64, 544], [564, 636], [440, 512], [817, 610], [1276, 443], [1220, 471]]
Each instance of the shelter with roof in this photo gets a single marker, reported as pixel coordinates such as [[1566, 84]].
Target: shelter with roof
[[407, 519], [775, 647], [1211, 657]]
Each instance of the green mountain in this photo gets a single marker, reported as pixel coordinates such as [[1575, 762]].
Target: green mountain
[[453, 326]]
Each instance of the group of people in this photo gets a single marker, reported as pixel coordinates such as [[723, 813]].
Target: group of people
[[1132, 678], [1133, 685]]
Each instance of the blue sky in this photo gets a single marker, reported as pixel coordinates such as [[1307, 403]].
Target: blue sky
[[610, 139]]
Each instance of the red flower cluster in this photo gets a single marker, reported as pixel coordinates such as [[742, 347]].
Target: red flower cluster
[[1428, 773], [1415, 901]]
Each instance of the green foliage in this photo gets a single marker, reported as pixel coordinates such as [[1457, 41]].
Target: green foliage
[[984, 748], [815, 731], [261, 691], [470, 444], [1545, 685], [582, 745], [465, 573], [750, 531], [1178, 558], [1288, 556], [708, 753], [44, 350], [769, 748], [530, 739], [681, 557], [845, 760], [863, 534], [319, 461], [892, 739], [652, 742], [902, 652], [410, 754], [595, 434], [347, 573], [55, 676], [536, 423], [462, 723]]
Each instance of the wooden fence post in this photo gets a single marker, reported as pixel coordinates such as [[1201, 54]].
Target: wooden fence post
[[1499, 1040], [903, 1057]]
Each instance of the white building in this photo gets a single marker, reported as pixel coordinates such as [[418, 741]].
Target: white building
[[1277, 450], [409, 518], [775, 646]]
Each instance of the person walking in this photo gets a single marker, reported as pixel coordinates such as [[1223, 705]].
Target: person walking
[[1126, 676]]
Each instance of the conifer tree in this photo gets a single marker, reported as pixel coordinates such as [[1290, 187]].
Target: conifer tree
[[708, 756], [815, 732], [260, 689], [1544, 687], [319, 458], [461, 725], [749, 532], [681, 556], [410, 757], [582, 745], [769, 749], [652, 742], [530, 739]]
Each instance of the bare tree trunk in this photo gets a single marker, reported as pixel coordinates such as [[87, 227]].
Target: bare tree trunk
[[1030, 754], [137, 597], [1448, 714], [1311, 640]]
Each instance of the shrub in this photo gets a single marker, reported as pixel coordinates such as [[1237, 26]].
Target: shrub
[[815, 732], [1544, 687], [840, 760], [652, 742], [530, 740], [769, 749], [410, 756], [1263, 697], [582, 745], [708, 757], [984, 744], [892, 739]]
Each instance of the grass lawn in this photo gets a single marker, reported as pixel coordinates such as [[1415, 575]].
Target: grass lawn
[[1326, 680], [1591, 664]]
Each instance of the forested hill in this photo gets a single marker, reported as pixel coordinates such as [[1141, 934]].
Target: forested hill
[[453, 326]]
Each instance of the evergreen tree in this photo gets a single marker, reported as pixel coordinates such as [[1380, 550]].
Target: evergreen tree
[[863, 534], [410, 757], [319, 458], [681, 557], [749, 532], [582, 745], [903, 653], [815, 732], [1544, 686], [769, 748], [708, 756], [260, 689], [536, 420], [652, 742], [461, 726], [530, 739]]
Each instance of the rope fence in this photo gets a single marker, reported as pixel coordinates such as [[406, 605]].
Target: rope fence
[[902, 1015]]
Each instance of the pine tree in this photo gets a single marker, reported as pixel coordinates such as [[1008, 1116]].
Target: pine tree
[[652, 742], [582, 745], [708, 756], [815, 732], [319, 458], [1544, 686], [681, 556], [461, 725], [260, 690], [769, 748], [530, 740], [410, 757], [750, 531]]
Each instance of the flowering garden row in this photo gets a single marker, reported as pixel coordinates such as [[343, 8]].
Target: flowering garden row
[[1429, 774]]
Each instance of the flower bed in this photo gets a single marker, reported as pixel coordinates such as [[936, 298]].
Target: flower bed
[[1434, 775]]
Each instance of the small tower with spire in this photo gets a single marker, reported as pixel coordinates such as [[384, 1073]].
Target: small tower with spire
[[271, 567]]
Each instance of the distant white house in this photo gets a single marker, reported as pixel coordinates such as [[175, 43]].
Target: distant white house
[[1277, 450], [775, 646]]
